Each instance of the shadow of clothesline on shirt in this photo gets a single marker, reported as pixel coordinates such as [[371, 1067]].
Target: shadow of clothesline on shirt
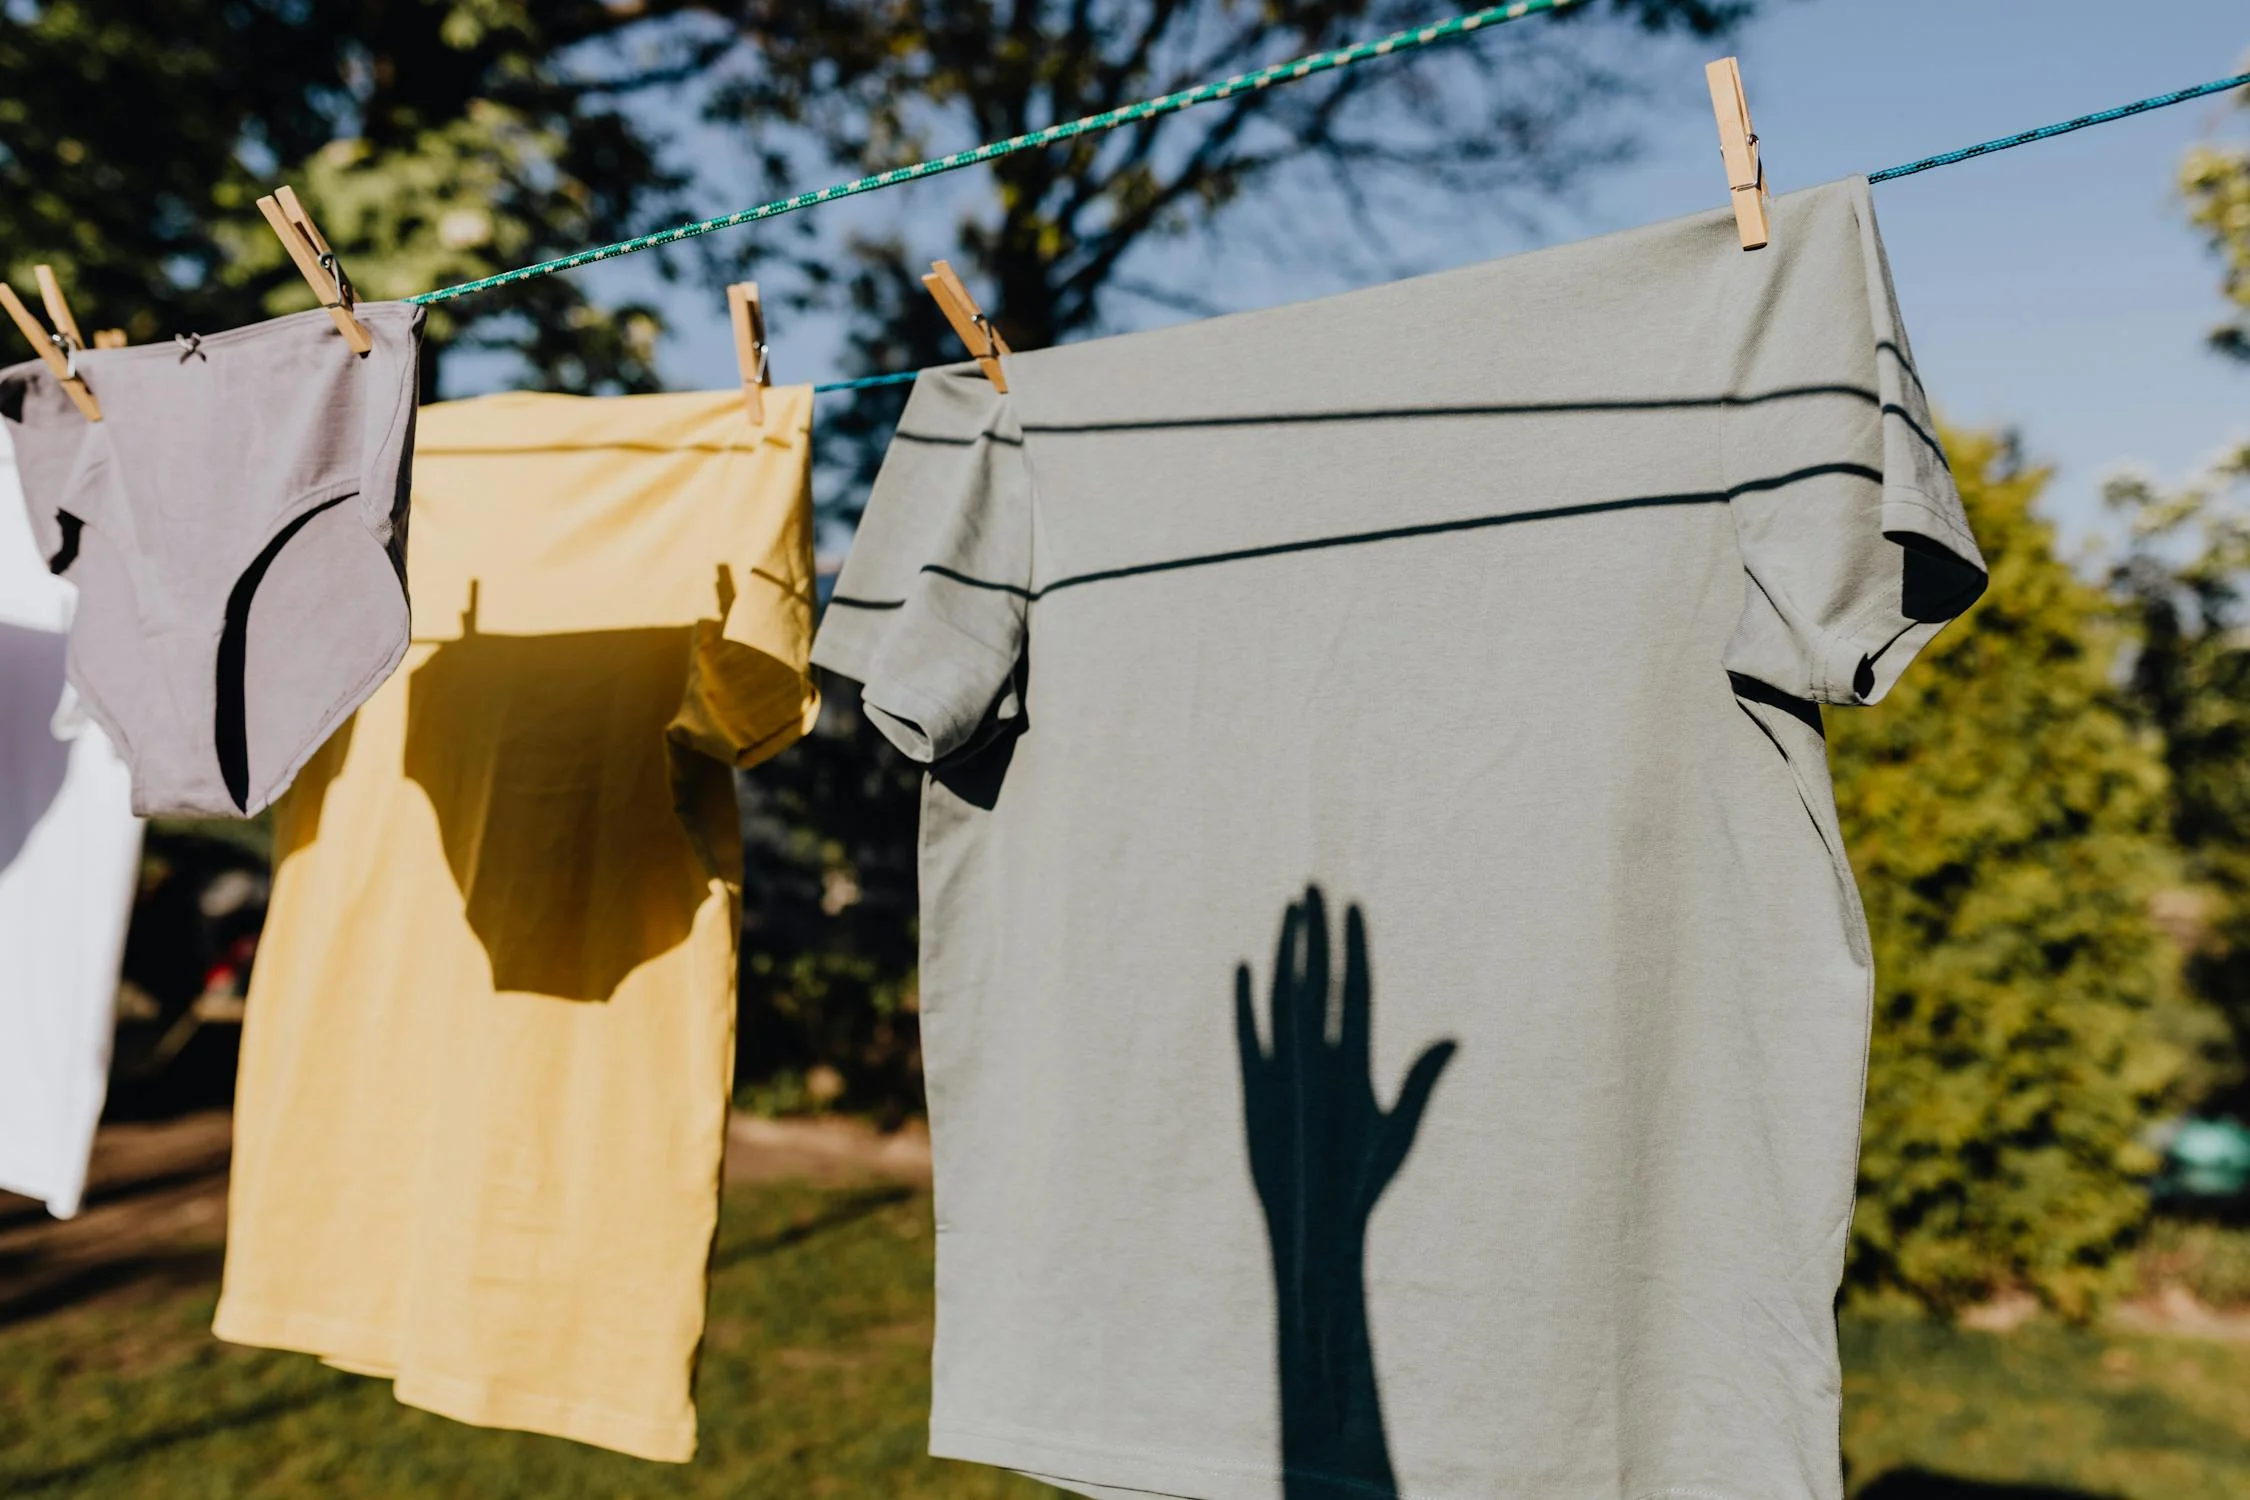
[[1322, 1150], [1590, 406], [32, 674], [1936, 584]]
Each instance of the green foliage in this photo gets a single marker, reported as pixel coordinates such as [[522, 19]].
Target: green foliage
[[2216, 180], [2005, 816], [2180, 578], [433, 139], [828, 984]]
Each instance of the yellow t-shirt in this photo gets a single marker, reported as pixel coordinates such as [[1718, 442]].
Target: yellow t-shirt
[[485, 1075]]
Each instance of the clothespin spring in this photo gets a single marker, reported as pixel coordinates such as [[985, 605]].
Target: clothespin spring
[[983, 324], [1757, 163], [69, 348], [346, 297]]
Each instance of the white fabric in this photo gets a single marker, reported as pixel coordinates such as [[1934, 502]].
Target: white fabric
[[69, 852]]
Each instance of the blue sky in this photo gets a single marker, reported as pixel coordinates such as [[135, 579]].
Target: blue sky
[[2056, 289]]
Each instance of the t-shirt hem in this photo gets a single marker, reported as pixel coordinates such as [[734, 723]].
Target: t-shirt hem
[[50, 1189], [1169, 1475], [483, 1403], [341, 1342]]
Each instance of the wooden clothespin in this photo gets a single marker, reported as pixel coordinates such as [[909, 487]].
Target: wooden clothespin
[[318, 264], [59, 348], [1738, 143], [109, 338], [749, 321], [58, 306], [969, 321]]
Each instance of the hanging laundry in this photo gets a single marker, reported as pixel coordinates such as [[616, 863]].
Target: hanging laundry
[[486, 1069], [69, 853], [1393, 997], [236, 527]]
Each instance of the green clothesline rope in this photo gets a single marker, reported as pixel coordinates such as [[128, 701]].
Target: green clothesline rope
[[2046, 132], [865, 382], [1241, 83]]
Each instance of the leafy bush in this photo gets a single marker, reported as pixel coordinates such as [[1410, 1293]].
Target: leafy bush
[[2006, 818], [830, 1013]]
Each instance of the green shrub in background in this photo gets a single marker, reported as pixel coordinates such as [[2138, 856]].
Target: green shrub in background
[[2183, 574], [2006, 818], [830, 1015]]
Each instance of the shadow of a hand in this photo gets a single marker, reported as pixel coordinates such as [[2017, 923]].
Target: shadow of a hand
[[1322, 1150], [1321, 1147]]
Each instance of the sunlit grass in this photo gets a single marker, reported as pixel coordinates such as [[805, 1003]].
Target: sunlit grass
[[815, 1383]]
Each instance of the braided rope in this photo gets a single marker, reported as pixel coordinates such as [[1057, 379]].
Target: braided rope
[[2044, 132], [865, 382], [1241, 83]]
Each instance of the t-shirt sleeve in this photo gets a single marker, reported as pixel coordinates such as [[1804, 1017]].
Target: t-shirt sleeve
[[1851, 529], [929, 611], [750, 692]]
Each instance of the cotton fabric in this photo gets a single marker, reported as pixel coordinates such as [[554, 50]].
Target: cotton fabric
[[235, 524], [1393, 998], [490, 1044], [69, 854]]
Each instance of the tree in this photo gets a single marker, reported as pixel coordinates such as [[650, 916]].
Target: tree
[[434, 139], [2180, 580], [2216, 182], [2006, 815], [2181, 577]]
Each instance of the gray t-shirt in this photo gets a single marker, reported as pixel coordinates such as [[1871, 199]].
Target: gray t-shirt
[[1394, 1001]]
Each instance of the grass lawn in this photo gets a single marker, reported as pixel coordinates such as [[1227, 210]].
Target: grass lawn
[[814, 1384]]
